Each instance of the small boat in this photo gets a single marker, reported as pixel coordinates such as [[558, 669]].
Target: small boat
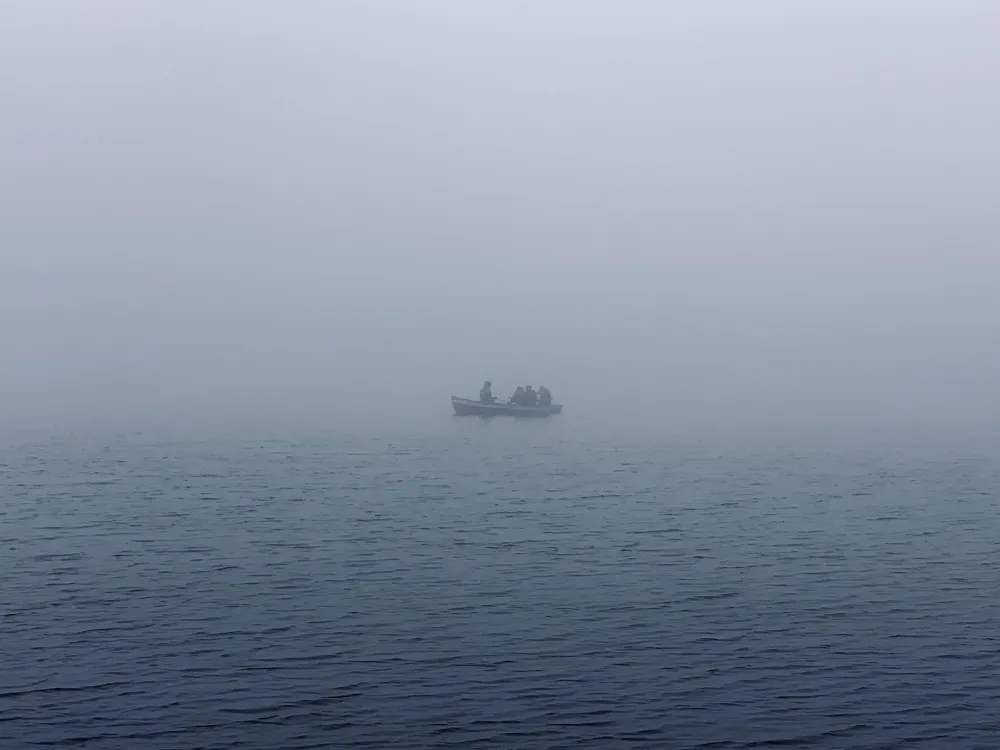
[[466, 407]]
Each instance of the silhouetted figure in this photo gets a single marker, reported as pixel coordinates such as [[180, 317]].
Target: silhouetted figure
[[530, 396], [486, 394], [544, 396], [518, 397]]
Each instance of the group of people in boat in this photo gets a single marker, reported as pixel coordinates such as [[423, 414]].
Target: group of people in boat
[[523, 396]]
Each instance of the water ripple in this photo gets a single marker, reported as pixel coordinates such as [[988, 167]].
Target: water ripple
[[502, 586]]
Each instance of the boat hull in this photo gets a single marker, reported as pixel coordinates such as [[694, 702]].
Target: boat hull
[[465, 407]]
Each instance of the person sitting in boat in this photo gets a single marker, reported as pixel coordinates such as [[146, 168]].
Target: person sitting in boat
[[530, 396], [518, 397], [544, 396], [486, 394]]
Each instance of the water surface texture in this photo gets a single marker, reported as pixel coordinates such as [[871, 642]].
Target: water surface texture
[[497, 585]]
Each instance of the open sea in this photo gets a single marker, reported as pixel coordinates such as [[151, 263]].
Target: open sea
[[498, 584]]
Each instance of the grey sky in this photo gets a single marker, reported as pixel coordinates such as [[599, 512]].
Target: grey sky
[[708, 211]]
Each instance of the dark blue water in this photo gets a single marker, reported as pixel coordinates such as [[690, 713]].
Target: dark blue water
[[498, 585]]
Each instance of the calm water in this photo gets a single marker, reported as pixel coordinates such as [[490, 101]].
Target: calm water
[[500, 585]]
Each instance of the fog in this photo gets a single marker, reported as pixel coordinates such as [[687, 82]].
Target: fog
[[685, 213]]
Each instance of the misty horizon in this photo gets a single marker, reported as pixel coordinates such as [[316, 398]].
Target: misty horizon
[[778, 214]]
